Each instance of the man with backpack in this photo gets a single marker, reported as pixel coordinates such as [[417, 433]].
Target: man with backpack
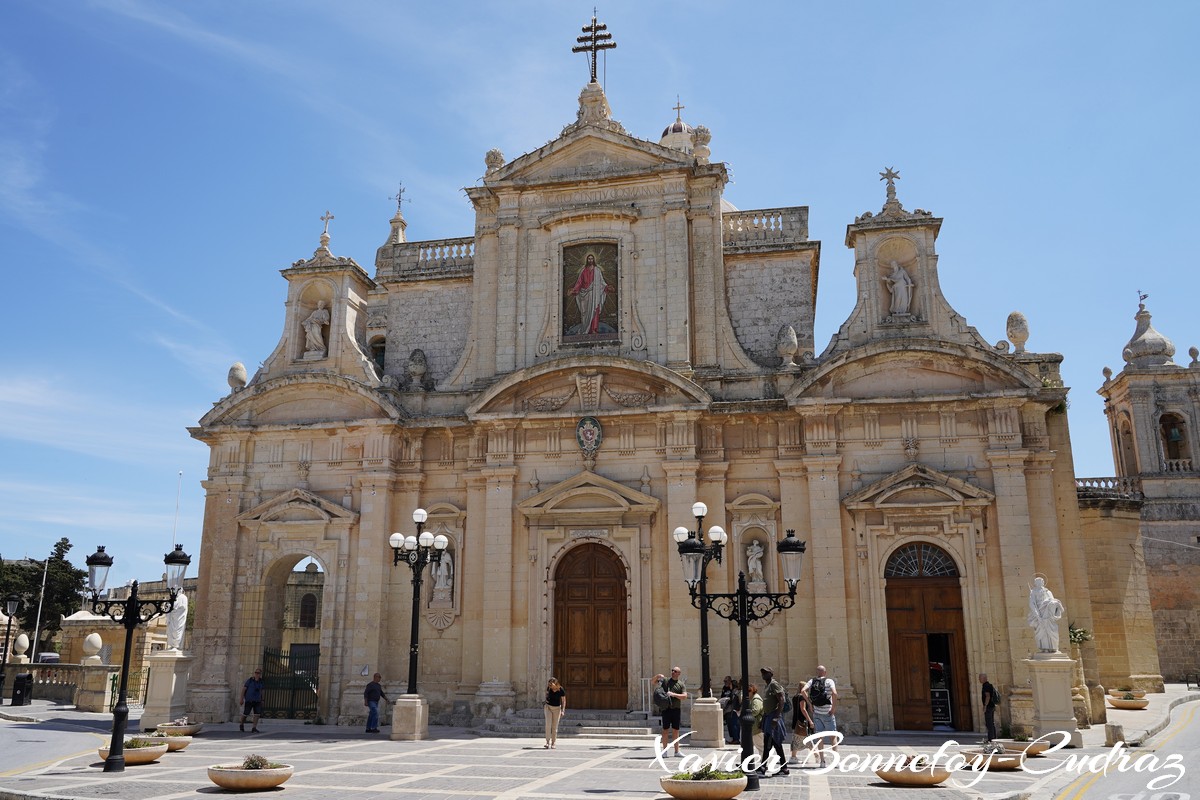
[[775, 705], [821, 693]]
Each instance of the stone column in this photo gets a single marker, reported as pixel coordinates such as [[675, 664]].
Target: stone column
[[495, 695], [166, 696], [1015, 535], [829, 571]]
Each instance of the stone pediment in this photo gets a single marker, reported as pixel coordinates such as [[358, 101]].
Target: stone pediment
[[918, 487], [588, 153], [298, 505], [588, 385], [590, 499], [906, 371], [304, 398]]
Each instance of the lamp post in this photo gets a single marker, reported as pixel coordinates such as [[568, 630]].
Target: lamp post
[[743, 607], [416, 551], [129, 613], [693, 541], [10, 608]]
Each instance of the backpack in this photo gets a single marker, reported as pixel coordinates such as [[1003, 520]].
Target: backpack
[[787, 704], [661, 700], [818, 692]]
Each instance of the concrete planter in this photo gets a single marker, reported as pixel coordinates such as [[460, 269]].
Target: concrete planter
[[994, 762], [1128, 705], [1122, 692], [928, 775], [191, 729], [703, 790], [173, 743], [235, 778], [139, 755], [1028, 748]]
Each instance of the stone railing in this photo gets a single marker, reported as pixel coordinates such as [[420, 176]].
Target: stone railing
[[86, 687], [437, 258], [1177, 465], [765, 226], [1109, 488]]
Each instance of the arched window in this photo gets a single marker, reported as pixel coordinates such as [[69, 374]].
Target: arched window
[[379, 353], [308, 611], [1173, 430], [920, 560], [1128, 459]]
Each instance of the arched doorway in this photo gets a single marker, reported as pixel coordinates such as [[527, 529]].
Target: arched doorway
[[292, 600], [931, 689], [590, 637]]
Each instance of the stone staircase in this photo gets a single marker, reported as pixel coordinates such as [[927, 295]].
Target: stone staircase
[[584, 723]]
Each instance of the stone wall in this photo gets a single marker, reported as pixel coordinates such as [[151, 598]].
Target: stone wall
[[432, 316], [1173, 564], [765, 292]]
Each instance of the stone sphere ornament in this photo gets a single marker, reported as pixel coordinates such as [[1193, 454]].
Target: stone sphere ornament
[[1018, 331], [237, 376]]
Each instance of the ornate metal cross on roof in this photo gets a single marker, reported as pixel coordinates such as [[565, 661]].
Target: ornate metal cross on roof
[[326, 219], [593, 42], [399, 198], [679, 107]]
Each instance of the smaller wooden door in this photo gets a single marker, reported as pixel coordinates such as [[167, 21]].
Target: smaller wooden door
[[590, 639]]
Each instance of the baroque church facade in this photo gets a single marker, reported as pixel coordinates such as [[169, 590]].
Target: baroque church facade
[[612, 343]]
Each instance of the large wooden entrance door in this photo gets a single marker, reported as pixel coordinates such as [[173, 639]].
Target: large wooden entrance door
[[927, 641], [590, 640]]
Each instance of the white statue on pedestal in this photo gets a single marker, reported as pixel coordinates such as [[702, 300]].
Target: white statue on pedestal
[[1044, 613], [176, 621], [754, 556]]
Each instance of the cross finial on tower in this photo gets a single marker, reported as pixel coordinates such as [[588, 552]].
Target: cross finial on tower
[[595, 41], [678, 108], [1142, 295], [891, 176], [399, 197], [326, 219]]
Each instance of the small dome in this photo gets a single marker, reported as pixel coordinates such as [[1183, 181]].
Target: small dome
[[678, 126], [1148, 347]]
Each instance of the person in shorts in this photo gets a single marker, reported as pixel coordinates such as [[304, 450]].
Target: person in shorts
[[677, 692], [821, 693], [252, 699]]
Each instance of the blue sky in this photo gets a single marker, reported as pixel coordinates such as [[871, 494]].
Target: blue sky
[[161, 162]]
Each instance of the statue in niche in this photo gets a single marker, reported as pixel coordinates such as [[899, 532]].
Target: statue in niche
[[901, 286], [1044, 613], [754, 567], [176, 621], [314, 329], [443, 574]]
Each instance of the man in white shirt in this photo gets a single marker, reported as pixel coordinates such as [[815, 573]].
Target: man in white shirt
[[821, 692]]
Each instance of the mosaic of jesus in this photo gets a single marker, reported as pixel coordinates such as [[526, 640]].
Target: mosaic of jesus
[[589, 292]]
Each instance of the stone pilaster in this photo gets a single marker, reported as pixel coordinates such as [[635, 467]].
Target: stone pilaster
[[676, 614], [1015, 535], [496, 690], [826, 554]]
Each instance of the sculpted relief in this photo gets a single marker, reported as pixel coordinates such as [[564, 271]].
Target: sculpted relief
[[590, 305]]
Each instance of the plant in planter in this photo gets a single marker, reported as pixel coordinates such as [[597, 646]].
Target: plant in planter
[[254, 773], [139, 750], [705, 783], [175, 740]]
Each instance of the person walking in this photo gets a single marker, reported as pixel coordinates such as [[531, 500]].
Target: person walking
[[802, 724], [371, 697], [731, 706], [554, 707], [251, 701], [756, 708], [676, 693], [988, 696], [774, 731], [821, 692]]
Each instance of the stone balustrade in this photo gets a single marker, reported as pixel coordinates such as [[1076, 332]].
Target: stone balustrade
[[437, 258], [1177, 465], [765, 226], [1109, 488], [86, 687]]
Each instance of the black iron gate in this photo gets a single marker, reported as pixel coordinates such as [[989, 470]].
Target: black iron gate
[[290, 684]]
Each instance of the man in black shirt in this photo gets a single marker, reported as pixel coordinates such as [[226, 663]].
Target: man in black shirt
[[988, 697], [371, 697]]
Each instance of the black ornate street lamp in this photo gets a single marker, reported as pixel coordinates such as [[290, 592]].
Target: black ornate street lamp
[[10, 608], [693, 542], [130, 612], [743, 607], [416, 551]]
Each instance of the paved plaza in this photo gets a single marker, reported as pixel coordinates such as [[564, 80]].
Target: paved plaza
[[48, 751]]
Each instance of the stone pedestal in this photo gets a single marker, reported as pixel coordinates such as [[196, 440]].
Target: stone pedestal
[[166, 696], [1050, 678], [94, 690], [708, 726], [410, 718]]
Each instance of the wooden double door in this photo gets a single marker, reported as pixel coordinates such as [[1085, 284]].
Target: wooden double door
[[590, 628], [926, 638]]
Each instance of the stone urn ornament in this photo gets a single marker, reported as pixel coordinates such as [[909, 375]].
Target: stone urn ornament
[[786, 346], [1018, 331], [237, 376]]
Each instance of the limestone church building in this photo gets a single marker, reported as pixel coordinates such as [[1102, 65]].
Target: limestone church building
[[611, 343]]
